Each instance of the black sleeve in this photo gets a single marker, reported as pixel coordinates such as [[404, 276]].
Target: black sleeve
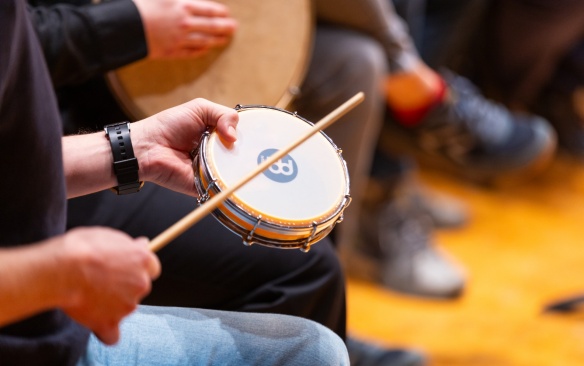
[[80, 42]]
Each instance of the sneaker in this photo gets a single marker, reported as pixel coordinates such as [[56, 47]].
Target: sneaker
[[446, 212], [396, 175], [480, 139], [396, 248], [367, 354]]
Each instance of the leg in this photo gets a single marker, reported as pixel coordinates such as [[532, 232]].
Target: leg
[[376, 18], [209, 267], [161, 336], [345, 62]]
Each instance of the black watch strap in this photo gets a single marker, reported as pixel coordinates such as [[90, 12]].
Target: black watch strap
[[125, 163]]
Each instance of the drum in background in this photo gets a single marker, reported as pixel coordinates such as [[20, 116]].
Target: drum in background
[[263, 64], [294, 203]]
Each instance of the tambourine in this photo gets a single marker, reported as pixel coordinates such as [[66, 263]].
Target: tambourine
[[295, 202]]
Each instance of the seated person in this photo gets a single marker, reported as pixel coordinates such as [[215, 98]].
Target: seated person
[[57, 287]]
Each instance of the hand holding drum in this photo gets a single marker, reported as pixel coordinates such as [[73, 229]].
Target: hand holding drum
[[299, 198]]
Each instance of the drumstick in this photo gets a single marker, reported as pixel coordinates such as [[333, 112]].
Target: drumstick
[[192, 218]]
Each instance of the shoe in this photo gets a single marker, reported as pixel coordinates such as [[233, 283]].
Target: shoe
[[396, 248], [565, 112], [412, 263], [367, 354], [446, 212], [480, 139], [397, 174]]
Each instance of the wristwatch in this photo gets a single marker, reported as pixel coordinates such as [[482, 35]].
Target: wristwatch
[[125, 163]]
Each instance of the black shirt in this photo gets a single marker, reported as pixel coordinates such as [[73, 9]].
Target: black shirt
[[32, 185], [81, 42]]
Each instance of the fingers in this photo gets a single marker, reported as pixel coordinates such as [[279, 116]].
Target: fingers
[[207, 8], [200, 35], [153, 266], [211, 26], [110, 273], [224, 119], [227, 132], [226, 126], [201, 32], [203, 41]]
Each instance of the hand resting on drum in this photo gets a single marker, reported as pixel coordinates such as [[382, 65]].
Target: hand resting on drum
[[184, 28], [162, 144]]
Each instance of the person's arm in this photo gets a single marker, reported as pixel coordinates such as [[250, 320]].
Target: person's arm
[[162, 144], [80, 42], [31, 282], [96, 275]]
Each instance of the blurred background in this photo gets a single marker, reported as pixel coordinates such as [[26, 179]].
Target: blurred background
[[522, 251]]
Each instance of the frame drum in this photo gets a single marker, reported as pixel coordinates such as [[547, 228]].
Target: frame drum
[[263, 64], [296, 201]]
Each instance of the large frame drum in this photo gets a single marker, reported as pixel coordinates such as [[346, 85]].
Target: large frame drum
[[263, 64]]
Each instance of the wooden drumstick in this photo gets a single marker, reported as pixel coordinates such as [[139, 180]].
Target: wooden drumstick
[[192, 218]]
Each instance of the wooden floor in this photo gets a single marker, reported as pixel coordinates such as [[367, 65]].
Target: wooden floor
[[523, 249]]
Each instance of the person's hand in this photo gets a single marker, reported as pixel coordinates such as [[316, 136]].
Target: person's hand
[[107, 273], [163, 142], [184, 28]]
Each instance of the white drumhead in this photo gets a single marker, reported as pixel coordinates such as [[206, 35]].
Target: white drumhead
[[306, 185]]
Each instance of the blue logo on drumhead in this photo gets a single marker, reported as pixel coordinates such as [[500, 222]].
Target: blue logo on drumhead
[[283, 170]]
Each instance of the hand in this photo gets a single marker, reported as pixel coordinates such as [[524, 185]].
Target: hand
[[163, 142], [184, 28], [107, 274]]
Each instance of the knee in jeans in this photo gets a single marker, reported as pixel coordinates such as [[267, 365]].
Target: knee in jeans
[[317, 344]]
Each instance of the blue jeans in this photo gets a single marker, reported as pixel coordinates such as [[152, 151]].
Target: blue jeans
[[161, 336]]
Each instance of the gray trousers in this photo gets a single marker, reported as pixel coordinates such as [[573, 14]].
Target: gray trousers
[[357, 43], [377, 19], [345, 62]]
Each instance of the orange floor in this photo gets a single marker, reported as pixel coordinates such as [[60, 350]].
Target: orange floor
[[523, 248]]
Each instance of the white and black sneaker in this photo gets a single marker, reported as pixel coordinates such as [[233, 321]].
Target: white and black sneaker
[[396, 248]]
